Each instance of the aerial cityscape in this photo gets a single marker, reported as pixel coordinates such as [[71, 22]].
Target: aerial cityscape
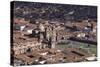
[[51, 33]]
